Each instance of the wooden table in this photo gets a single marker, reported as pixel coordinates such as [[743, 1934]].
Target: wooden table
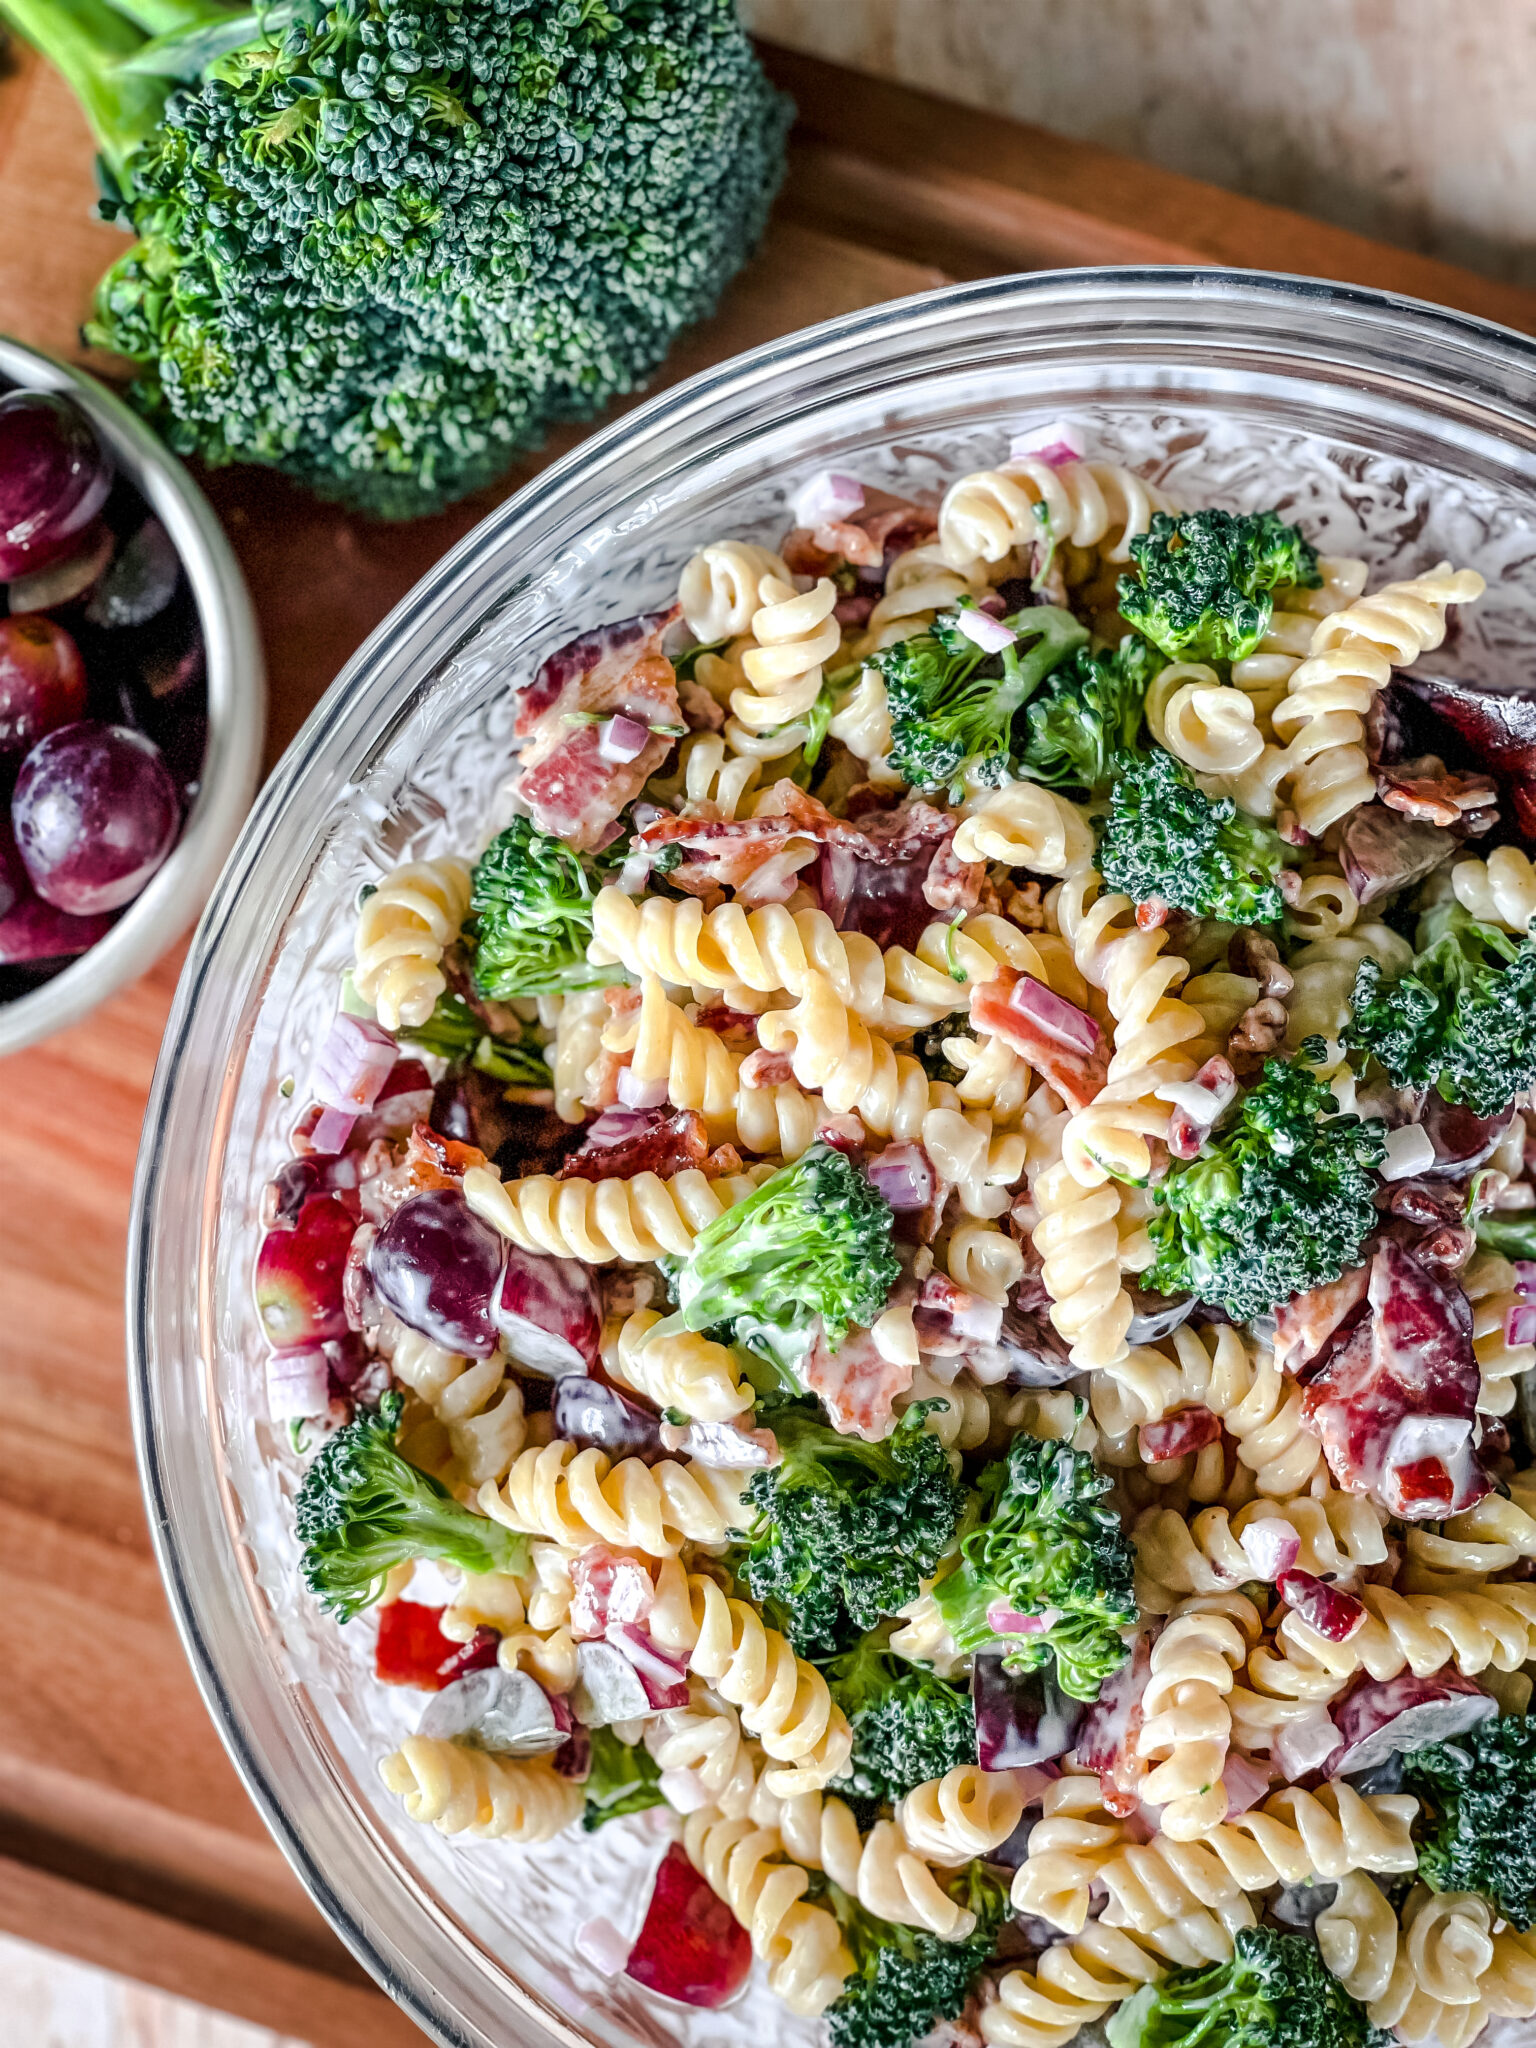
[[125, 1836]]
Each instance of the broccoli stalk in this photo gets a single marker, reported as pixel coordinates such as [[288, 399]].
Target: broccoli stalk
[[1477, 1824], [1088, 714], [846, 1530], [624, 1778], [456, 1033], [382, 246], [1276, 1992], [1045, 1548], [1202, 583], [531, 906], [812, 1244], [1463, 1017], [1166, 841], [909, 1726], [1277, 1204], [362, 1510], [905, 1981], [952, 704]]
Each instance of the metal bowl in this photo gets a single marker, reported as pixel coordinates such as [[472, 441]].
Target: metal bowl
[[237, 711]]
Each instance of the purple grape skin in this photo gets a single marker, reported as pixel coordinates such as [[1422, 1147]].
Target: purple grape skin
[[54, 478], [95, 813], [436, 1265], [588, 1411]]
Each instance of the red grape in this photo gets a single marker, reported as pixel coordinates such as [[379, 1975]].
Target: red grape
[[690, 1947], [95, 813], [42, 680], [54, 478], [32, 931], [299, 1276], [436, 1265]]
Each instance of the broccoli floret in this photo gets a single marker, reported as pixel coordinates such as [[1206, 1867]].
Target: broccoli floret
[[1166, 840], [1202, 583], [909, 1726], [1088, 715], [362, 1510], [846, 1530], [384, 243], [623, 1779], [1278, 1203], [1477, 1827], [905, 1981], [813, 1243], [1276, 1992], [531, 916], [454, 1032], [1463, 1017], [1045, 1547], [952, 704]]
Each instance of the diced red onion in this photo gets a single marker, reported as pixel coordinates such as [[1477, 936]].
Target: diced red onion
[[298, 1384], [827, 496], [616, 1127], [665, 1678], [684, 1790], [1271, 1547], [333, 1127], [1409, 1150], [600, 1943], [724, 1446], [1004, 1620], [622, 739], [985, 631], [903, 1175], [1244, 1783], [1306, 1743], [1053, 1014], [637, 1094], [352, 1064], [1056, 442], [944, 1309], [1520, 1322], [1335, 1614]]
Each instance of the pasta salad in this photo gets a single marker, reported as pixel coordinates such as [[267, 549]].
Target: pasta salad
[[919, 1275]]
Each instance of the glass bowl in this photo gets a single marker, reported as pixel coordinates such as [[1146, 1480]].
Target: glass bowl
[[1385, 427], [237, 711]]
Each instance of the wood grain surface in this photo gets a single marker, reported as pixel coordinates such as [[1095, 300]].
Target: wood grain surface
[[125, 1835]]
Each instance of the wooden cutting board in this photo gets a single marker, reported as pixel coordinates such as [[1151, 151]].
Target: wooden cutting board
[[125, 1836]]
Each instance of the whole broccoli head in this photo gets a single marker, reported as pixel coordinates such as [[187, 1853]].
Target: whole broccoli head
[[455, 1032], [905, 1981], [811, 1245], [1167, 841], [909, 1726], [624, 1778], [362, 1510], [846, 1530], [383, 243], [1045, 1547], [1276, 1992], [1476, 1829], [1463, 1017], [1202, 583], [952, 704], [1088, 714], [531, 911], [1279, 1201]]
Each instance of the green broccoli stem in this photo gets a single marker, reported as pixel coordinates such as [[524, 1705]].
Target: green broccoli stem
[[1513, 1234], [159, 18], [89, 42]]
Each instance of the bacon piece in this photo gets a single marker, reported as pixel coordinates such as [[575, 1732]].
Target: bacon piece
[[1396, 1407], [1008, 1007], [563, 781], [949, 1318], [757, 857], [871, 538], [952, 884], [763, 1069], [872, 874], [858, 1386], [1310, 1327], [1176, 1435], [668, 1145], [1107, 1734]]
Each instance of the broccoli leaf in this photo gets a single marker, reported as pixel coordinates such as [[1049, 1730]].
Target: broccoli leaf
[[623, 1779], [456, 1033], [1166, 841], [1202, 582], [1088, 715]]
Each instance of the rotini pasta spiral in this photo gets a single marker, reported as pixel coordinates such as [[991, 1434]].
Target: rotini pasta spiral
[[981, 1164], [967, 1813], [832, 1050], [550, 1658], [962, 1421], [464, 1791], [1452, 1972], [403, 930], [1323, 906], [985, 516], [1067, 1848], [477, 1409], [1357, 1937], [801, 1944], [1078, 1981], [1025, 825], [721, 588], [918, 583], [579, 1497], [642, 1218], [993, 1077], [1340, 1535], [579, 1026], [924, 1637], [1472, 1627], [714, 781], [1489, 1284], [1500, 890], [1264, 674], [690, 1061], [1202, 721], [880, 1869], [1078, 1240], [1187, 1724], [782, 1700], [705, 1738], [984, 1260], [862, 721], [1324, 972], [1490, 1537], [686, 1371], [794, 633]]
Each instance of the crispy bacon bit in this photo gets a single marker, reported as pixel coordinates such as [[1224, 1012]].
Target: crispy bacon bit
[[563, 781], [1009, 1007], [764, 1069], [438, 1162], [1401, 1395], [1310, 1327], [668, 1145], [1425, 789], [758, 857], [1152, 915], [950, 1319], [1176, 1435], [857, 1384], [870, 538]]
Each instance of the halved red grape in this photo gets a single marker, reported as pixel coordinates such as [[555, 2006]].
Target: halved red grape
[[95, 813], [42, 681], [436, 1265], [32, 931], [299, 1275], [690, 1947], [54, 478]]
